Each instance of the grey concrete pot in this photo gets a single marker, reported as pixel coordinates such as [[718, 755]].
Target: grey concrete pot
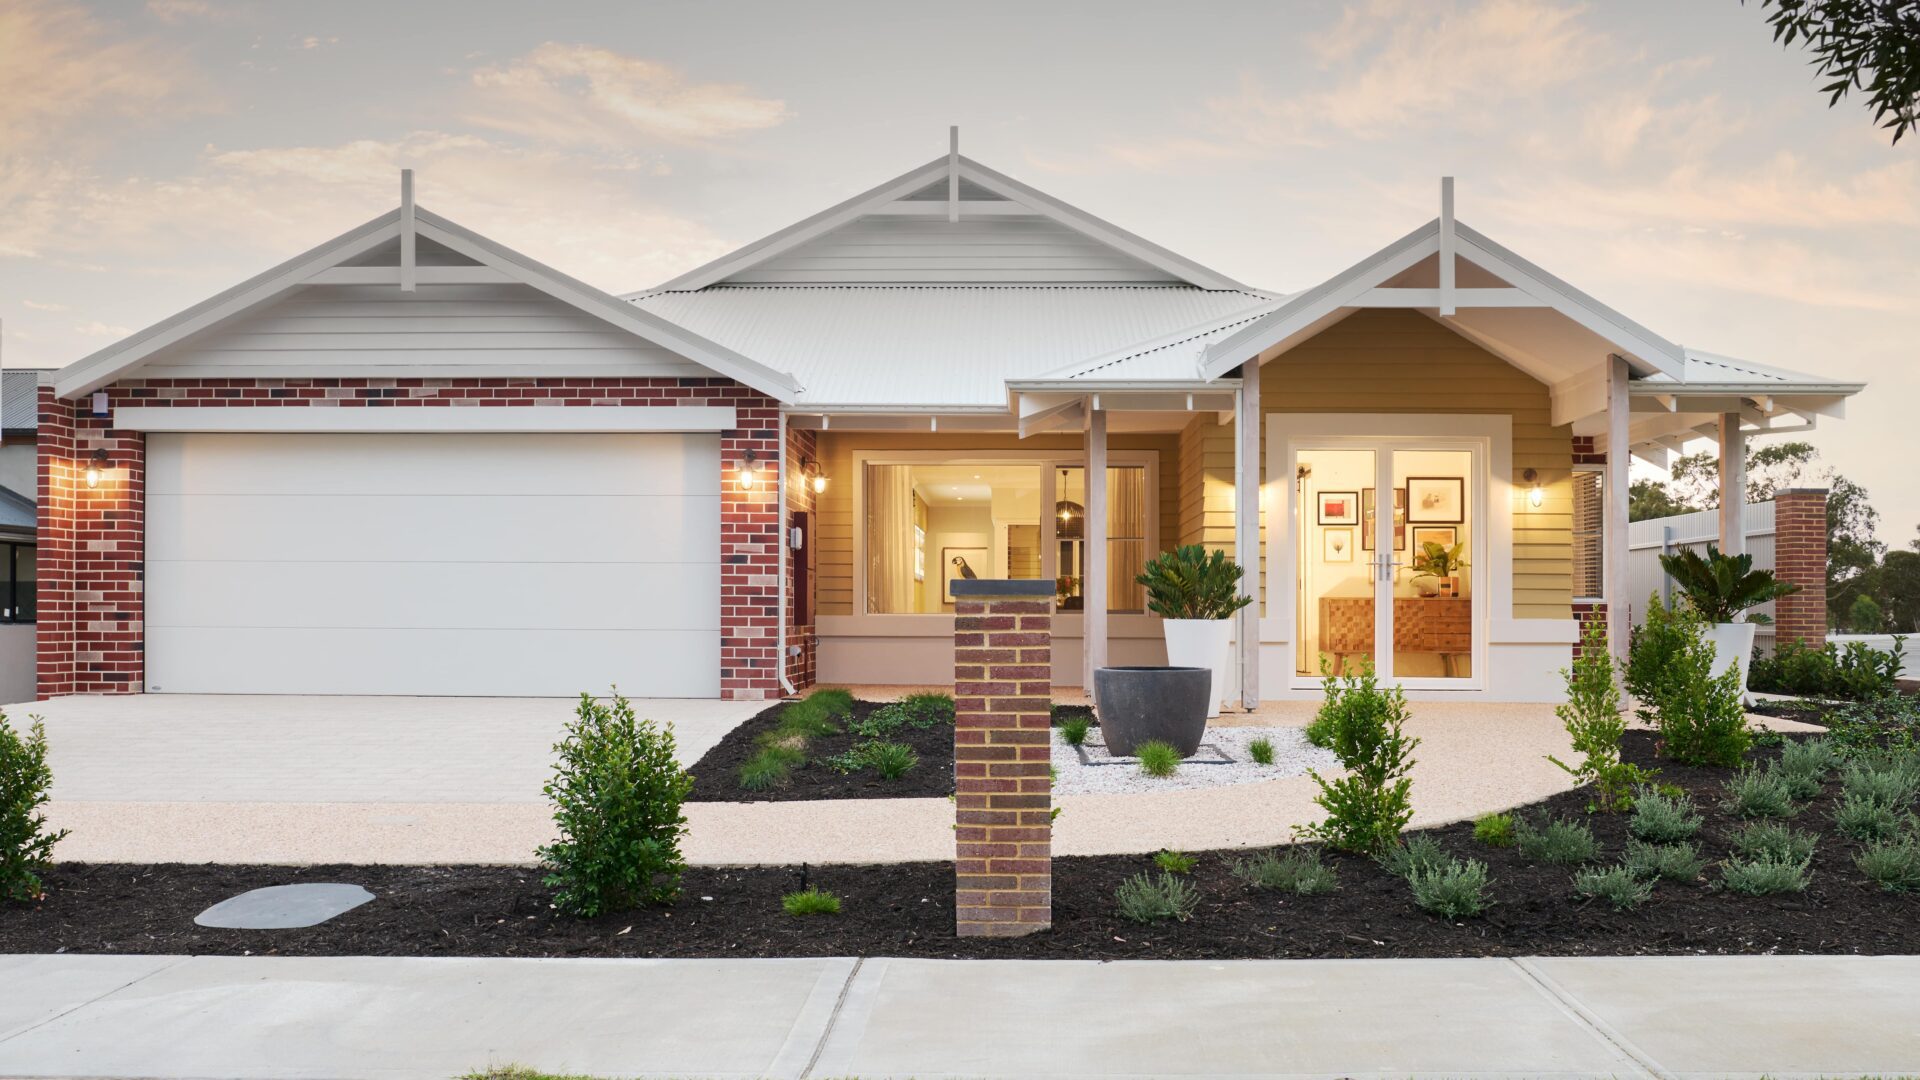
[[1138, 704]]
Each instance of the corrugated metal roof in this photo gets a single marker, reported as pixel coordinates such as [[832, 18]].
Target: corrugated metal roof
[[1174, 356], [935, 345], [1711, 368], [16, 512], [20, 399]]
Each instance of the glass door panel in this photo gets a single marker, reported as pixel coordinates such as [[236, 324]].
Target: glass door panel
[[1126, 537], [1338, 616], [1433, 623]]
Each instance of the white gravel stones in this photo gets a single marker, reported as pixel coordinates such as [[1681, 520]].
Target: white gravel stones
[[1292, 756]]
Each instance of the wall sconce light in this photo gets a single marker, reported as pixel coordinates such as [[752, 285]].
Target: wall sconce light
[[96, 464], [816, 479], [1535, 493], [749, 470]]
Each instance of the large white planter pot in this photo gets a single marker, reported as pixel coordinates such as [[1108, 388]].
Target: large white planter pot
[[1206, 643], [1732, 647]]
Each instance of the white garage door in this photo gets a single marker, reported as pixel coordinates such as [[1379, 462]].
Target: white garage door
[[433, 564]]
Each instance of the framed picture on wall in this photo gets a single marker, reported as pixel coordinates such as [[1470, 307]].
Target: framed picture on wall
[[1339, 508], [962, 562], [1336, 545], [1444, 535], [1437, 500]]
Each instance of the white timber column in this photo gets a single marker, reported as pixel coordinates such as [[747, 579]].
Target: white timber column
[[1093, 586], [1733, 485], [1246, 527], [1614, 546]]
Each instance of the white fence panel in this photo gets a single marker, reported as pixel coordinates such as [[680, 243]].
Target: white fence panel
[[1647, 540]]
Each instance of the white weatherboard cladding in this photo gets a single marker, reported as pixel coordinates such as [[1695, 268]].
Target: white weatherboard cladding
[[456, 564], [925, 249], [437, 330]]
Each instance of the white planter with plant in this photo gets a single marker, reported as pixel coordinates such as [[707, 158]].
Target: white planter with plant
[[1720, 588], [1196, 594]]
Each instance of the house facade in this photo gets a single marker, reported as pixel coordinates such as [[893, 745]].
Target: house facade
[[412, 461]]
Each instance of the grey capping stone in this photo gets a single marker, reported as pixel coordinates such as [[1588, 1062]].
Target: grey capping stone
[[1003, 587]]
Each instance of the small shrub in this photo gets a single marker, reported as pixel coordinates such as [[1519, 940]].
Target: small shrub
[[891, 760], [1299, 872], [1893, 863], [1805, 765], [810, 901], [1764, 876], [1650, 647], [1455, 889], [1595, 724], [1701, 718], [1494, 830], [1663, 818], [920, 712], [617, 793], [1772, 839], [1416, 852], [1074, 729], [1888, 779], [1620, 886], [1191, 582], [1261, 750], [1672, 862], [1858, 673], [26, 847], [803, 721], [770, 767], [1865, 818], [1157, 759], [1175, 862], [1367, 808], [1146, 898], [1560, 841], [1753, 793]]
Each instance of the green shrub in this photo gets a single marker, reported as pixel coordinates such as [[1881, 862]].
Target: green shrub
[[1367, 808], [1261, 750], [1074, 729], [1701, 718], [1888, 779], [1560, 841], [1805, 764], [891, 760], [1146, 898], [1494, 830], [1721, 587], [1157, 758], [1191, 582], [1298, 872], [26, 846], [1175, 862], [1455, 889], [810, 901], [1865, 818], [770, 767], [920, 712], [1673, 862], [1662, 818], [1754, 793], [617, 792], [1771, 838], [1595, 724], [1765, 875], [1892, 863], [803, 721], [1859, 672], [1417, 852], [1650, 648], [1620, 886]]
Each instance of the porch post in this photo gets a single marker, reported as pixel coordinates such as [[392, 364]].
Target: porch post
[[1614, 571], [1733, 485], [1093, 590], [1246, 527]]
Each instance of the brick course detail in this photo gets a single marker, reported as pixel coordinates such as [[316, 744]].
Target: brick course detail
[[1003, 817], [92, 540], [1800, 558]]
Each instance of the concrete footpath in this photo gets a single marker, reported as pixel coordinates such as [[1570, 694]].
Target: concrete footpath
[[99, 1016]]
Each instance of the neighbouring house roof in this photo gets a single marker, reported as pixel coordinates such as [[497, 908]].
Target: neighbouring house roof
[[17, 513], [20, 399]]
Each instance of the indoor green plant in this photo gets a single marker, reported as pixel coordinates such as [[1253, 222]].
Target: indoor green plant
[[1196, 592], [1442, 563], [1720, 589]]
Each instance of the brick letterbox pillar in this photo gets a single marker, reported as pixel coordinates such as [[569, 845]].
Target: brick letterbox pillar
[[1800, 558], [1003, 804]]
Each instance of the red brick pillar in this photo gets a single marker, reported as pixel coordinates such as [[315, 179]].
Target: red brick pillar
[[1800, 558], [1002, 691]]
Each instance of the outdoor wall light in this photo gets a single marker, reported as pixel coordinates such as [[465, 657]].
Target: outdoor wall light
[[749, 470], [96, 465], [1535, 493], [816, 479]]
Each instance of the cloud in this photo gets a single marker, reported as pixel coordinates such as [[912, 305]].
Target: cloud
[[177, 11], [61, 72], [102, 330], [586, 96], [37, 305]]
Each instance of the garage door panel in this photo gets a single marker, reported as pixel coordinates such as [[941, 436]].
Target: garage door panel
[[463, 528], [544, 596], [444, 464], [516, 663]]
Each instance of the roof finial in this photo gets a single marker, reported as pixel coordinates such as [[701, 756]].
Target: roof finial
[[953, 173], [1446, 247], [406, 231]]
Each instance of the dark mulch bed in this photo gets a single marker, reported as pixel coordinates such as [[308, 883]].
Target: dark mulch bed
[[907, 910]]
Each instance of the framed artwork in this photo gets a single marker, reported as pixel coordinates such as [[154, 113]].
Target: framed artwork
[[1399, 519], [962, 562], [1444, 535], [1437, 500], [1369, 515], [1339, 508], [1337, 545]]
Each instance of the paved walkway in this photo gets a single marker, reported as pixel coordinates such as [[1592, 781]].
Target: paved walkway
[[99, 1016]]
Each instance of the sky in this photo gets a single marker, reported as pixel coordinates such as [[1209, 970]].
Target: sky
[[1669, 159]]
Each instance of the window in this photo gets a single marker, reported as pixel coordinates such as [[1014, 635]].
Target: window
[[1589, 533], [1126, 536], [20, 579]]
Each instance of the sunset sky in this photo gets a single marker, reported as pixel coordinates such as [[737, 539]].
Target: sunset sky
[[1680, 167]]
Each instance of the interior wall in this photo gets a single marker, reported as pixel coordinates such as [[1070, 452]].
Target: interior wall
[[950, 528]]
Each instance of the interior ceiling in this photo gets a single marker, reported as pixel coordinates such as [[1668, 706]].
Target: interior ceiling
[[967, 485]]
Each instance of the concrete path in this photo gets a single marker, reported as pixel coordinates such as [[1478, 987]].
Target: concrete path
[[98, 1016]]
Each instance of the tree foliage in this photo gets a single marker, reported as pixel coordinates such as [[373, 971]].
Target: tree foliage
[[1867, 46]]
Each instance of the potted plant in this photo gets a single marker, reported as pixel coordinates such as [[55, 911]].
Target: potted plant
[[1195, 593], [1719, 588], [1440, 565]]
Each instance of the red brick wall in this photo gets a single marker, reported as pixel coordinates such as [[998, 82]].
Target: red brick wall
[[1586, 613], [1583, 451], [1800, 557], [92, 540], [1003, 801]]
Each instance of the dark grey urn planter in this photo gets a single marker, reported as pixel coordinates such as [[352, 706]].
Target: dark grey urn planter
[[1140, 704]]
